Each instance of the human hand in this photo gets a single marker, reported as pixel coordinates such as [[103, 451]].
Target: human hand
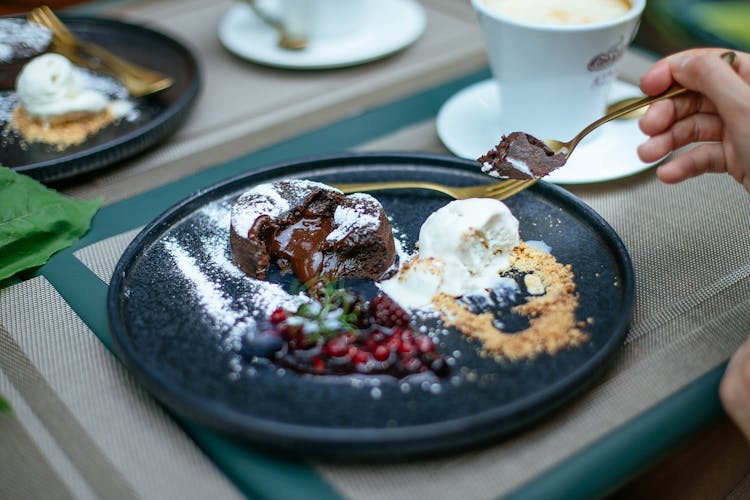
[[716, 113], [734, 389]]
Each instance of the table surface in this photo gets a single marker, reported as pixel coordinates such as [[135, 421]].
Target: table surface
[[84, 426]]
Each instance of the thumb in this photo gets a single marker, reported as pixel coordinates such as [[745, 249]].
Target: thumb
[[711, 76]]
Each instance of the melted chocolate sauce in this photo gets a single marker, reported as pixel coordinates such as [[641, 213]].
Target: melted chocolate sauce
[[301, 244]]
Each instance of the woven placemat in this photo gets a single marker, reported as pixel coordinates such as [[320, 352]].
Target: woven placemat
[[82, 426]]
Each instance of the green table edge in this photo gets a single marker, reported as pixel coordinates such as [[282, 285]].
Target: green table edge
[[589, 473]]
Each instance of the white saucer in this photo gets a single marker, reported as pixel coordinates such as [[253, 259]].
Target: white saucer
[[391, 25], [469, 126]]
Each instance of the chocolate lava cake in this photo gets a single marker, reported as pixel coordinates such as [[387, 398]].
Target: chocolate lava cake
[[20, 41], [310, 229], [520, 156]]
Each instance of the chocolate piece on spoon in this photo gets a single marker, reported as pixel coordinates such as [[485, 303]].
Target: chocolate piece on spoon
[[520, 156]]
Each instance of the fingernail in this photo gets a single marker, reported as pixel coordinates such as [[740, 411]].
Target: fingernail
[[678, 61]]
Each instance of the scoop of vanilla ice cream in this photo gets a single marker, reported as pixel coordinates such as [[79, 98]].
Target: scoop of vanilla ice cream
[[462, 249], [48, 87]]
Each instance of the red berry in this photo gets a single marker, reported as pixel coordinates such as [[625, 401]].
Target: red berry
[[336, 347], [407, 349], [387, 313], [318, 364], [393, 342], [406, 336], [360, 357], [424, 344], [278, 316], [381, 353]]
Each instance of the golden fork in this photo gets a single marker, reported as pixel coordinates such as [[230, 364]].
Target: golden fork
[[566, 148], [499, 190], [138, 80]]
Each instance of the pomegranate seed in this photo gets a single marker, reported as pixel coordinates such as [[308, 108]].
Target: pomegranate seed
[[278, 316], [337, 347], [393, 342], [381, 353], [424, 344], [407, 349], [287, 332], [387, 313], [360, 357], [406, 336], [318, 364]]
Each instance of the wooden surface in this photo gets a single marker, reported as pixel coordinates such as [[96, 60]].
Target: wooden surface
[[707, 467]]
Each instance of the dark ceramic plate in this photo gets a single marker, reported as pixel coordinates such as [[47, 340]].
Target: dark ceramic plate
[[175, 303], [158, 115]]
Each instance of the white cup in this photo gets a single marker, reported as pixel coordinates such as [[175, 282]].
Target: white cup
[[554, 79], [308, 20]]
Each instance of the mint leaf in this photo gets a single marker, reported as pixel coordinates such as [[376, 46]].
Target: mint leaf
[[36, 222], [4, 406]]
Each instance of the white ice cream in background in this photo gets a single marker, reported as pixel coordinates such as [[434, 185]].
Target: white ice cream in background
[[49, 87], [462, 249]]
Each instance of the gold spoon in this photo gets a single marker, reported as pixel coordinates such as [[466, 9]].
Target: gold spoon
[[286, 40], [636, 113], [565, 148]]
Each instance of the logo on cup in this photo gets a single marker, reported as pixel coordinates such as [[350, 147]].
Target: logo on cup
[[607, 59]]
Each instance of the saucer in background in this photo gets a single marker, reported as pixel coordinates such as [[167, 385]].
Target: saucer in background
[[390, 25]]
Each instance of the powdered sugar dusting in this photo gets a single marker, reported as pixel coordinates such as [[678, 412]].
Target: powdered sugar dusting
[[302, 185], [360, 214], [19, 38], [263, 199]]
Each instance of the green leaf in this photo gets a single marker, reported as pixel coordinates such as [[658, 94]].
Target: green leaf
[[4, 405], [36, 222]]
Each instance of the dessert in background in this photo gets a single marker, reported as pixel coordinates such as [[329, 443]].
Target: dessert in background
[[310, 229], [520, 156], [20, 41], [54, 107]]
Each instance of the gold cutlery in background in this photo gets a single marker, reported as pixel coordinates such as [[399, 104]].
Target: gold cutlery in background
[[138, 80]]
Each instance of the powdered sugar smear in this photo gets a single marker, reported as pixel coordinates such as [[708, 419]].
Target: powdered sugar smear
[[216, 304]]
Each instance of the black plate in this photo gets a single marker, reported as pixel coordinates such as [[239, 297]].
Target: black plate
[[159, 114], [178, 345]]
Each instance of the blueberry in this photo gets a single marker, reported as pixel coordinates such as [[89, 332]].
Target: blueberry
[[263, 344]]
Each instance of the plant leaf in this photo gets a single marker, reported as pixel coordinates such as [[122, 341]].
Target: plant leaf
[[36, 222], [4, 405]]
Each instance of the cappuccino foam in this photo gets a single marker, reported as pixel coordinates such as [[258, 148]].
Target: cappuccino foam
[[551, 12]]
